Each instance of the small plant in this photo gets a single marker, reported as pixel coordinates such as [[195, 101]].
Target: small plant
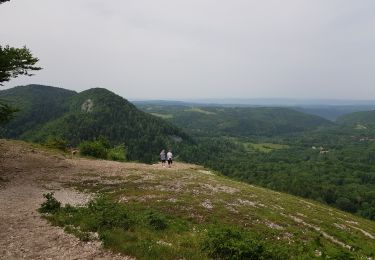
[[157, 221], [108, 215], [51, 205]]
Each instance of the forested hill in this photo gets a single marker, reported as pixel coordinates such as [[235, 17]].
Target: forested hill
[[239, 121], [37, 103], [359, 120], [86, 116]]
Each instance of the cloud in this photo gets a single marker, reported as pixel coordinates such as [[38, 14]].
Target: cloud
[[199, 49]]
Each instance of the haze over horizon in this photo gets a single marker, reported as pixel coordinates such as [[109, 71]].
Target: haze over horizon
[[295, 49]]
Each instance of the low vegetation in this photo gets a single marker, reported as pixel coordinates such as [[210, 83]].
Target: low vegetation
[[188, 212], [57, 143], [51, 205], [101, 149], [264, 147]]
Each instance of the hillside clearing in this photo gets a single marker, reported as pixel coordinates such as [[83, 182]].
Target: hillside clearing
[[187, 195]]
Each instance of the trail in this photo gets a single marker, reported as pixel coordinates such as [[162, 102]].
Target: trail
[[25, 175], [23, 233]]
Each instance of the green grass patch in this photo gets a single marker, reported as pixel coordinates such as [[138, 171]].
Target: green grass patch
[[226, 242], [164, 116], [265, 147], [146, 233], [170, 214], [199, 110], [140, 232]]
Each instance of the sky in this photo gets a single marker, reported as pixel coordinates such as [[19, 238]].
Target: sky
[[196, 49]]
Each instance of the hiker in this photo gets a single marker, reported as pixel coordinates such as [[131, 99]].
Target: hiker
[[162, 157], [169, 158]]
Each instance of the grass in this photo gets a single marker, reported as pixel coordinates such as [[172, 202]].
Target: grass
[[360, 127], [170, 214], [199, 110], [154, 213], [265, 147], [164, 116]]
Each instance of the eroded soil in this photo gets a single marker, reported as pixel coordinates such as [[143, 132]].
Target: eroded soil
[[25, 175]]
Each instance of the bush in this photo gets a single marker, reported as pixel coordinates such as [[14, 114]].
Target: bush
[[94, 148], [100, 148], [118, 153], [233, 243], [57, 143], [51, 205], [109, 215], [157, 221]]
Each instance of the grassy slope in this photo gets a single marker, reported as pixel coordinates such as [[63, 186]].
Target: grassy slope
[[193, 199]]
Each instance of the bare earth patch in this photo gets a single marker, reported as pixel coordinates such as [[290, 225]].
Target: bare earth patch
[[24, 234]]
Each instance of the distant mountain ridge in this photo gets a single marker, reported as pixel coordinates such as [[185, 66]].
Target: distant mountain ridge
[[328, 109], [48, 111], [237, 121]]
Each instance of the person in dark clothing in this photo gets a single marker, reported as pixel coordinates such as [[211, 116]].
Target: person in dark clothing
[[162, 157]]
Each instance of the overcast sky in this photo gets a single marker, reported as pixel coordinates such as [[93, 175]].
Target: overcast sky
[[180, 49]]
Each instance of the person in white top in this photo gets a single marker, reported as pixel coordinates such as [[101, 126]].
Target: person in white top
[[169, 158]]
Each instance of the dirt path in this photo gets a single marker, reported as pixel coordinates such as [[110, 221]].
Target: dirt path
[[23, 233]]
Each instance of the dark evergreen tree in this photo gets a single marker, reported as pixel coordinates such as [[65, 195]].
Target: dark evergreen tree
[[15, 62]]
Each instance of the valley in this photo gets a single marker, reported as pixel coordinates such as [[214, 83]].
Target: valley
[[234, 168]]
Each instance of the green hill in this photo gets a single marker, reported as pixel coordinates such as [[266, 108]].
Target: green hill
[[88, 115], [359, 120], [38, 104], [239, 121]]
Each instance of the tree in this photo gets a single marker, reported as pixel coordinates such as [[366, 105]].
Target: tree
[[15, 62], [6, 113]]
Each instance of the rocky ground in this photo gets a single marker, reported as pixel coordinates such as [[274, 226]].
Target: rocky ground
[[25, 175]]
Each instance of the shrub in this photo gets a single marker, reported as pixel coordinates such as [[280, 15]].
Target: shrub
[[108, 215], [233, 243], [157, 221], [118, 153], [51, 205], [57, 143], [93, 148]]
